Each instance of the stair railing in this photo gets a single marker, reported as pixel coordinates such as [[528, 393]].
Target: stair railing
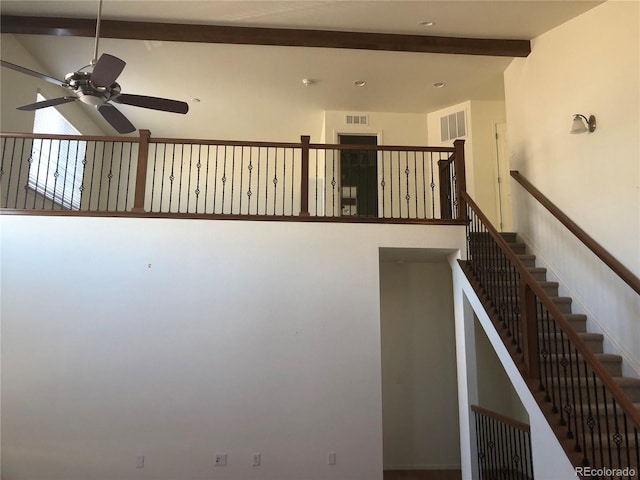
[[618, 268], [504, 446], [598, 425]]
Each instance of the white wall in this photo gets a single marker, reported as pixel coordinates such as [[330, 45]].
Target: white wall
[[419, 386], [177, 339], [495, 391], [594, 178]]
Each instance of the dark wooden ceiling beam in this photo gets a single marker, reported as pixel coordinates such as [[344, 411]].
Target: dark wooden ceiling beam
[[175, 32]]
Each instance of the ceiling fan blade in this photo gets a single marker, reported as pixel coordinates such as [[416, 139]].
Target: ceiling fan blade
[[116, 119], [106, 70], [155, 103], [47, 103], [33, 73]]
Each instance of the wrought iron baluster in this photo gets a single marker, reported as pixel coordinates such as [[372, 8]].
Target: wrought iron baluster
[[383, 184], [189, 174], [580, 404], [258, 182], [224, 177], [241, 180], [250, 169], [206, 179], [415, 181], [197, 191], [266, 185], [333, 183], [233, 177], [126, 201], [19, 174], [407, 172], [172, 176], [275, 179], [113, 146]]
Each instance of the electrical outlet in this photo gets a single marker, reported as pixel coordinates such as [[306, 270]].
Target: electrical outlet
[[256, 459], [331, 458], [221, 459], [140, 461]]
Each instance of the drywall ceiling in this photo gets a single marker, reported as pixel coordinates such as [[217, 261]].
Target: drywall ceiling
[[235, 83]]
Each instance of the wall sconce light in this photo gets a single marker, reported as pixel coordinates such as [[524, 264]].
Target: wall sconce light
[[582, 124]]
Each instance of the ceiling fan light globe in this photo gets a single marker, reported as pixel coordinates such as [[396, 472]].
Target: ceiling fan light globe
[[91, 99], [579, 125]]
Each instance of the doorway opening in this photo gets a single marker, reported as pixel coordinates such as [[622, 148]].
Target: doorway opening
[[358, 176]]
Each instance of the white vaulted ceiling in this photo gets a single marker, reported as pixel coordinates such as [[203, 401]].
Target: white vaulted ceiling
[[239, 82]]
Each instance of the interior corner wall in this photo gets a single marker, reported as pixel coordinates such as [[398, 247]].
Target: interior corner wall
[[593, 177], [480, 149], [484, 117], [178, 339], [419, 382], [17, 89]]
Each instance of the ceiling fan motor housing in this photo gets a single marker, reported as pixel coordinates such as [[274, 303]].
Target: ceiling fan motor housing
[[87, 92]]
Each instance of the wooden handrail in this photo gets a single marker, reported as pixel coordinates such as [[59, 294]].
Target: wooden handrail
[[618, 268], [526, 276], [501, 418], [84, 138]]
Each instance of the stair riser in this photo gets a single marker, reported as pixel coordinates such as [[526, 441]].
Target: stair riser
[[540, 276]]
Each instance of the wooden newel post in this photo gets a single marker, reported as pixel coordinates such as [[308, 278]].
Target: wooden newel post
[[304, 177], [141, 172], [529, 319], [461, 179], [444, 178]]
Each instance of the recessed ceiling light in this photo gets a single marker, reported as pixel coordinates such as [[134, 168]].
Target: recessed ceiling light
[[439, 84], [427, 23], [359, 83]]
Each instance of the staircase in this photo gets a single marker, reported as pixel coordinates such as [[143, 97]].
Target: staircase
[[588, 420]]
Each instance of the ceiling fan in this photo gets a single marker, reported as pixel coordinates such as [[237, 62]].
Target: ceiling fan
[[99, 88]]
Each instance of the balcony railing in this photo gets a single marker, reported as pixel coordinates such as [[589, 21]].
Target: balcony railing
[[177, 177], [504, 446]]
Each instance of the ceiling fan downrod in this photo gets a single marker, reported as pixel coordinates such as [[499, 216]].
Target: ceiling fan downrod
[[94, 60]]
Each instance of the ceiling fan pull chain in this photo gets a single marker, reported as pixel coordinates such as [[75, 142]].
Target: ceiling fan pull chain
[[95, 49]]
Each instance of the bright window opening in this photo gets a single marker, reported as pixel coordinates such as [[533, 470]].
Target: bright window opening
[[56, 165]]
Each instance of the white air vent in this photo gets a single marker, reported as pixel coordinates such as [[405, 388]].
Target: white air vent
[[353, 119], [453, 126]]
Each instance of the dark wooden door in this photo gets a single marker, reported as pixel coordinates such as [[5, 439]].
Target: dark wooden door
[[359, 177]]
